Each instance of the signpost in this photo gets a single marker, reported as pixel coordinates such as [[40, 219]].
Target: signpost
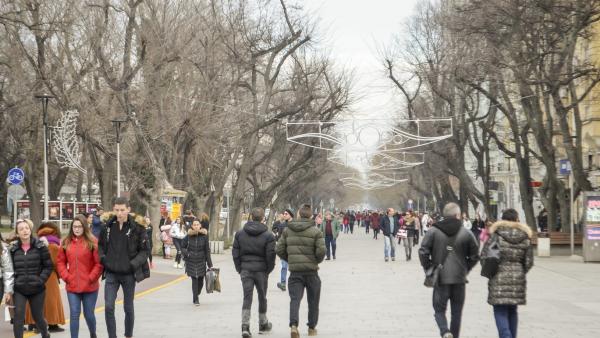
[[16, 176]]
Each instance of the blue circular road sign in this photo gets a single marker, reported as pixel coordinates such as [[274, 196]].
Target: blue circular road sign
[[16, 176]]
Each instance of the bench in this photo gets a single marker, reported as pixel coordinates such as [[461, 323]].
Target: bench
[[559, 238]]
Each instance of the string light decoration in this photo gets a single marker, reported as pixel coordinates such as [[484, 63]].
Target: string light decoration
[[369, 135], [377, 161], [65, 141], [371, 179]]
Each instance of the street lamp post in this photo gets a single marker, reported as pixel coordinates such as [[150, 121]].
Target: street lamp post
[[117, 124], [44, 97]]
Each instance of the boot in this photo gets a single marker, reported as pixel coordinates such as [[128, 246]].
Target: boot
[[93, 335], [294, 332], [246, 330], [264, 325]]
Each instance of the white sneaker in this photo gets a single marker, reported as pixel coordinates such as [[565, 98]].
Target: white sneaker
[[179, 266], [448, 335], [175, 265]]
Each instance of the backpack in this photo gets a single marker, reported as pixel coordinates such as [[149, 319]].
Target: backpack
[[490, 257]]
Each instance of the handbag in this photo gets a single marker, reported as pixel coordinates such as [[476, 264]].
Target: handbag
[[490, 257], [217, 282], [432, 275]]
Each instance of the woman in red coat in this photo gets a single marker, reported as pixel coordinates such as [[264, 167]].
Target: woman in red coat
[[79, 266]]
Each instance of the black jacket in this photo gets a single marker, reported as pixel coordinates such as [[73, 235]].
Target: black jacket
[[278, 227], [33, 269], [387, 228], [254, 249], [458, 263], [195, 248], [137, 248]]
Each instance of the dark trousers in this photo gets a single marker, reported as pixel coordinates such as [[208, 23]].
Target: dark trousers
[[197, 284], [330, 245], [111, 287], [455, 293], [177, 243], [36, 303], [250, 281], [375, 233], [507, 320], [297, 282], [367, 228]]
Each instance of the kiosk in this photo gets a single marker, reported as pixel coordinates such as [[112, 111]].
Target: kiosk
[[591, 226]]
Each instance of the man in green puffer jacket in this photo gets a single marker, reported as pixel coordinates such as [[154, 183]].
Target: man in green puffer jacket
[[303, 247]]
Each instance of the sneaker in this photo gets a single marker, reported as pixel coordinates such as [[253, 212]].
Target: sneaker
[[393, 258], [196, 303], [448, 335], [246, 331], [264, 328], [175, 265], [294, 332], [281, 286], [312, 332], [334, 258], [327, 258], [387, 259]]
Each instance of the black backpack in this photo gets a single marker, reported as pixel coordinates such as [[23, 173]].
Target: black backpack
[[490, 257]]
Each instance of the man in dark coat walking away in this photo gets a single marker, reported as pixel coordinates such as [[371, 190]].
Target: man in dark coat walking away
[[254, 258], [449, 245], [303, 246], [389, 226], [123, 251]]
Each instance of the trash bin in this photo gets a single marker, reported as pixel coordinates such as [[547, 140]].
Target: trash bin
[[543, 244]]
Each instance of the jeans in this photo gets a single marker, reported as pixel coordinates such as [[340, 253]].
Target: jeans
[[389, 247], [177, 243], [36, 303], [507, 320], [408, 244], [367, 227], [111, 287], [455, 293], [284, 269], [251, 280], [330, 245], [197, 284], [296, 285], [89, 303]]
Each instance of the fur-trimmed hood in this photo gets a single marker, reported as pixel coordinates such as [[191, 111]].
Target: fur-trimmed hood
[[201, 232], [513, 232], [139, 219]]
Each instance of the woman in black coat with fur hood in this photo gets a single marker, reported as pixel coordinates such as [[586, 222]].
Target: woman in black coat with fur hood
[[196, 253]]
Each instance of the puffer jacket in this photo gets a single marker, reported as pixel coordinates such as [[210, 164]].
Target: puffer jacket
[[254, 249], [32, 269], [435, 246], [509, 285], [79, 266], [302, 245], [6, 270], [196, 253]]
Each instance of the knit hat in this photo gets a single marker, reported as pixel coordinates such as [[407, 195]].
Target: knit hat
[[289, 211]]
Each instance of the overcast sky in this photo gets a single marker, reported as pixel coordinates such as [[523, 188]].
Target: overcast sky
[[354, 31]]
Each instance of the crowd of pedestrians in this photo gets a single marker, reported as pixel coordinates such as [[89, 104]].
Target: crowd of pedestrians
[[116, 247]]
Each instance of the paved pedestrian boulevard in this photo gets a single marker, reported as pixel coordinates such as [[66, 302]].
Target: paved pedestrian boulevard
[[362, 296]]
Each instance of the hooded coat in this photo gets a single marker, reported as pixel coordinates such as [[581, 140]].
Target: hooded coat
[[509, 285], [137, 246], [196, 253], [254, 249], [302, 245], [435, 247]]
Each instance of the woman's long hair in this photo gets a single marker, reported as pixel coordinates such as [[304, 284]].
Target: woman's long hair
[[87, 234]]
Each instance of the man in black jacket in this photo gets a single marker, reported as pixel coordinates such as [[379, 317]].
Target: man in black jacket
[[389, 227], [123, 252], [449, 244], [254, 258]]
